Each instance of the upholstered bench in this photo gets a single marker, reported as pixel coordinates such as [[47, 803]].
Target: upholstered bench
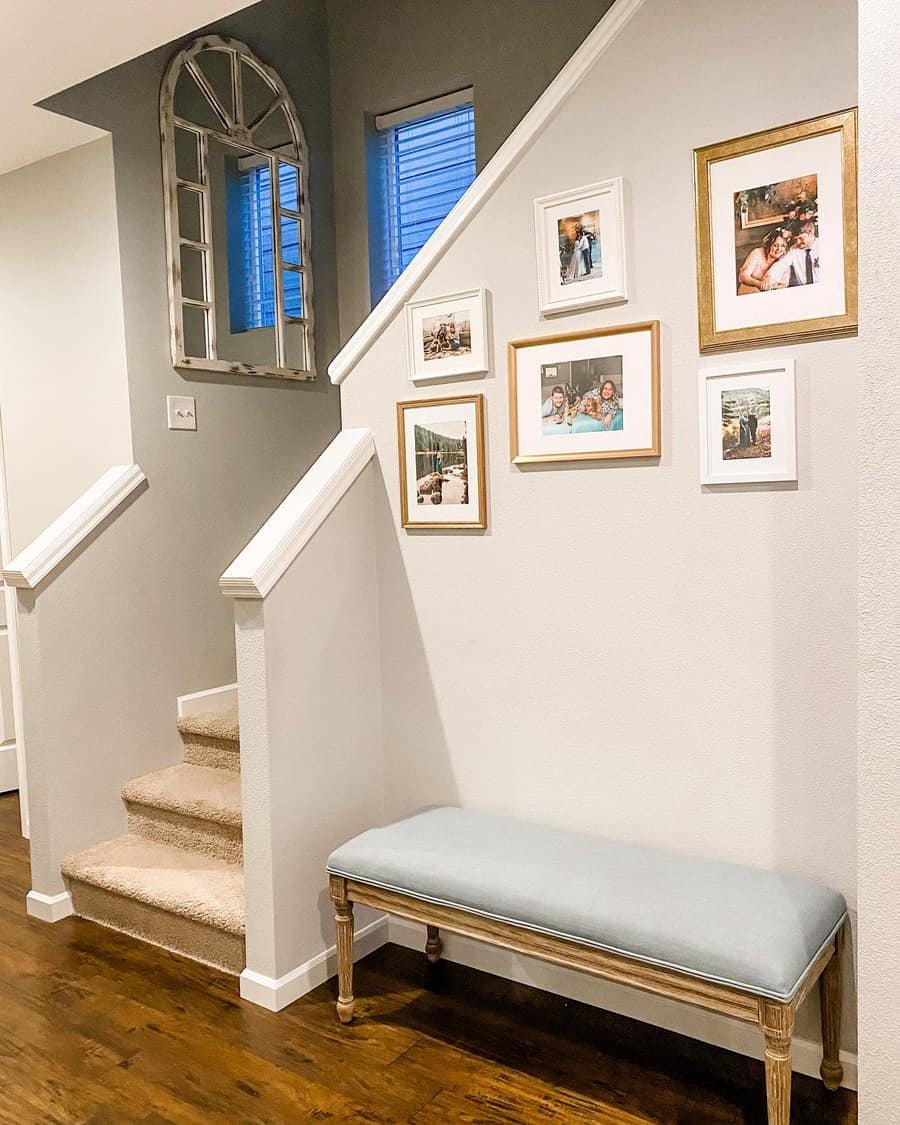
[[746, 943]]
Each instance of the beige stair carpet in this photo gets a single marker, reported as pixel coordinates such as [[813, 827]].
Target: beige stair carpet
[[211, 740], [188, 806], [176, 878], [113, 883]]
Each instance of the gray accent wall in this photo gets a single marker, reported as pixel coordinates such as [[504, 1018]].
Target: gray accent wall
[[386, 54], [211, 490]]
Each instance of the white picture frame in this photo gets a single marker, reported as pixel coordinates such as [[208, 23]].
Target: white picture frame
[[462, 347], [567, 279], [739, 444]]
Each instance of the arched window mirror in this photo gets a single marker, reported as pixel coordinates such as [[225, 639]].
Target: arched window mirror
[[235, 170]]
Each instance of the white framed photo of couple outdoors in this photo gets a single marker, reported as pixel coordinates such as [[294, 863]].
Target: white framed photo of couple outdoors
[[748, 428], [447, 336], [580, 247], [776, 235], [585, 396], [443, 482]]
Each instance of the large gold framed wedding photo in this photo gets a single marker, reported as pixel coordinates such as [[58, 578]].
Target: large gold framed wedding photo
[[584, 396], [776, 235]]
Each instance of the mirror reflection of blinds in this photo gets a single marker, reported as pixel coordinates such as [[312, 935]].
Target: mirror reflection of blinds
[[257, 281], [428, 163]]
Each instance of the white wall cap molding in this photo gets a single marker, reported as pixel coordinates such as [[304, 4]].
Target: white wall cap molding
[[276, 993], [212, 700], [299, 516], [486, 183], [32, 565], [49, 908]]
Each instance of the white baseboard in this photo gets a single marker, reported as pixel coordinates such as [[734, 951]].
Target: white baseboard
[[276, 994], [215, 699], [705, 1026], [9, 769], [49, 908]]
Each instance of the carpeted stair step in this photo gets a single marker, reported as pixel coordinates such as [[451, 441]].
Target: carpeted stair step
[[212, 739], [192, 904], [197, 808]]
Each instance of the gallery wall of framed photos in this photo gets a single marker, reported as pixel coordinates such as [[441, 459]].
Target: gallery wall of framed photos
[[644, 640]]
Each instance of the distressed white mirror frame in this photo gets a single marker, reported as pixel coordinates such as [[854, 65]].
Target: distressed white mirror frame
[[235, 130]]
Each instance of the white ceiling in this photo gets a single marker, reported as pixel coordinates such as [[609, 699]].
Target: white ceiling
[[49, 45]]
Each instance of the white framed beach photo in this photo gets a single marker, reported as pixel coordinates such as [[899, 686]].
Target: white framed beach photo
[[748, 427], [580, 237], [447, 336]]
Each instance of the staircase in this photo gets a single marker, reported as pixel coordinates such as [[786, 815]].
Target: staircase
[[176, 878]]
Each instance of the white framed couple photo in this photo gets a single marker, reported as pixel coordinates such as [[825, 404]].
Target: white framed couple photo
[[748, 430], [580, 247]]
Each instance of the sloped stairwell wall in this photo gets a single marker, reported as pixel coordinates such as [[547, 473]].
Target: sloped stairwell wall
[[136, 619], [621, 651]]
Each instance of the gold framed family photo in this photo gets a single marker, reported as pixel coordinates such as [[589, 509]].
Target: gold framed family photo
[[584, 396], [777, 235]]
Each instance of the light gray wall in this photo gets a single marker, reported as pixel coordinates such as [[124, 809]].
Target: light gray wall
[[623, 652], [387, 54], [153, 588], [63, 384], [879, 590]]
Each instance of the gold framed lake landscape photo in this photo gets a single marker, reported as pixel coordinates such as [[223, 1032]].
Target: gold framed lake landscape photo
[[583, 396], [777, 235], [443, 482]]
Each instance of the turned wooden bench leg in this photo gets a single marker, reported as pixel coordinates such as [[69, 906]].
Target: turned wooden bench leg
[[777, 1023], [433, 944], [830, 995], [343, 919]]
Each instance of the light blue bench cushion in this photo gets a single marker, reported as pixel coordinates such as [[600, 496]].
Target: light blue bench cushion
[[758, 930]]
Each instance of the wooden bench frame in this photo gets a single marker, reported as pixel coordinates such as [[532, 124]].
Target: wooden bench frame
[[774, 1018]]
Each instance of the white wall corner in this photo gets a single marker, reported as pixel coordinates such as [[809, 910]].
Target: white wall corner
[[44, 554], [275, 994], [299, 516], [9, 769], [708, 1027], [49, 908]]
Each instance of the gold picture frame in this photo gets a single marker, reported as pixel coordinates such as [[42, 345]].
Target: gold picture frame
[[651, 449], [714, 338], [475, 404]]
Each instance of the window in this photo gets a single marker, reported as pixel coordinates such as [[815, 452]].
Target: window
[[251, 281], [426, 158]]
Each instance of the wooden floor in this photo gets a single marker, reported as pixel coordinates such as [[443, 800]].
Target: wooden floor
[[95, 1027]]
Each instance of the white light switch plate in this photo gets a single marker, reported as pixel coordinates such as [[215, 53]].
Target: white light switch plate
[[181, 411]]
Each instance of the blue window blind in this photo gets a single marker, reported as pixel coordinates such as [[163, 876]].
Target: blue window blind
[[428, 164], [252, 291]]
